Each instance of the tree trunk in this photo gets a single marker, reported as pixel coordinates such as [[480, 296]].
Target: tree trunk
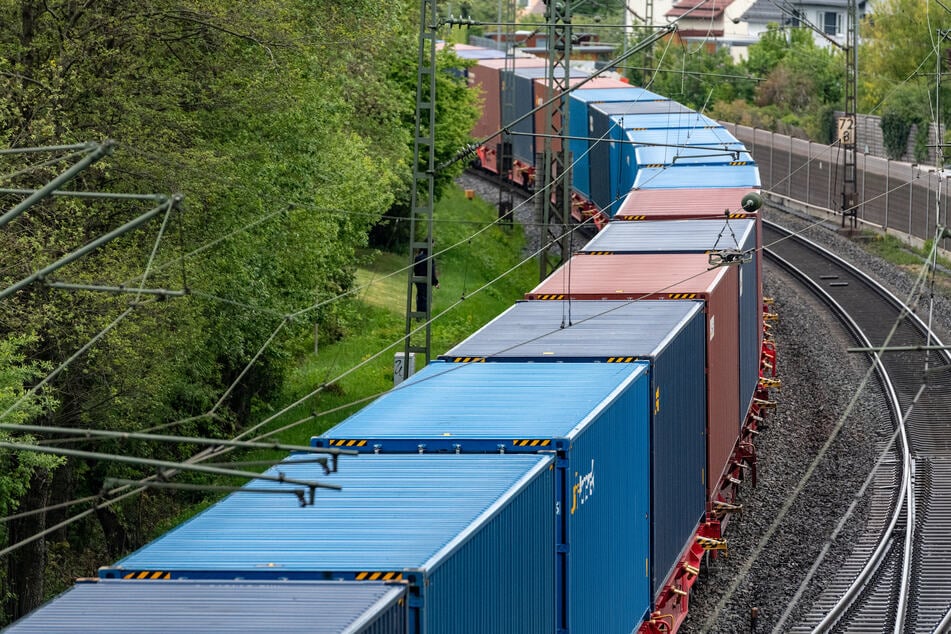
[[27, 564]]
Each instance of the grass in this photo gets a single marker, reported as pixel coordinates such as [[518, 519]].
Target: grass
[[461, 305], [906, 256]]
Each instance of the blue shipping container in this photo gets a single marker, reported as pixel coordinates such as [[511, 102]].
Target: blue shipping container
[[471, 536], [694, 177], [613, 169], [671, 336], [321, 607], [578, 126], [595, 422], [517, 407], [701, 236]]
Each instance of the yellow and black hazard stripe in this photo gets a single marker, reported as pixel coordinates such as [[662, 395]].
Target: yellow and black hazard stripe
[[348, 442], [468, 359], [597, 252], [737, 214], [653, 165], [632, 217], [620, 359], [379, 575], [151, 575], [681, 296], [735, 163], [550, 296], [531, 442]]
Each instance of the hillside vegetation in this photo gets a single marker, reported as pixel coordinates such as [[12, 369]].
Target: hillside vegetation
[[286, 128]]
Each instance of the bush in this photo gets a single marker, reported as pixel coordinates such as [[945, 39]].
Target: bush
[[922, 138], [895, 129]]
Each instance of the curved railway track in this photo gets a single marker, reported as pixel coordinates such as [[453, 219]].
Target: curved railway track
[[898, 578]]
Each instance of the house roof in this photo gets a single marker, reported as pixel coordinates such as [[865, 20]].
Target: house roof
[[764, 11], [702, 9]]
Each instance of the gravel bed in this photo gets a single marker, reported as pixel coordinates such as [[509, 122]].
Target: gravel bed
[[789, 516], [524, 211], [773, 547]]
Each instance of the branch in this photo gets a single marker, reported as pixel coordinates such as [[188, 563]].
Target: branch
[[181, 16], [25, 78]]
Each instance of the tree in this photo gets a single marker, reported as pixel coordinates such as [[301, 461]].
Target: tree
[[696, 77], [284, 126], [898, 45]]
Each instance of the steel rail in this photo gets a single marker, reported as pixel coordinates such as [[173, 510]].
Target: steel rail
[[912, 544], [878, 555]]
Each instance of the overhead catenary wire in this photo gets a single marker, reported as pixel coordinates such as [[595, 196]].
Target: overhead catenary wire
[[444, 250]]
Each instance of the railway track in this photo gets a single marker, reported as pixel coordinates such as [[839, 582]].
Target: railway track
[[898, 578]]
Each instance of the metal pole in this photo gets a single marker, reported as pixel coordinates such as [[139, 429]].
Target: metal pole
[[97, 151], [164, 464], [106, 195], [213, 442], [92, 246]]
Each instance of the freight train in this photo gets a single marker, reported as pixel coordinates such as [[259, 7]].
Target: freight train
[[567, 468]]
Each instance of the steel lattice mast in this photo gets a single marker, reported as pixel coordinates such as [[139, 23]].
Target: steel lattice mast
[[554, 189], [418, 336]]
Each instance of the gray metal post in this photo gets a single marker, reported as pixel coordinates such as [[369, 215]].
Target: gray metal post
[[97, 151]]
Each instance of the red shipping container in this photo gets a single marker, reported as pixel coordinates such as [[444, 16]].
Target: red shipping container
[[486, 75], [685, 204], [672, 276], [681, 204]]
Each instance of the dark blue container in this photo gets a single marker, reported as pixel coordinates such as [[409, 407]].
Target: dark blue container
[[470, 536], [238, 607], [524, 146], [594, 418], [668, 334], [612, 165], [578, 103], [701, 236]]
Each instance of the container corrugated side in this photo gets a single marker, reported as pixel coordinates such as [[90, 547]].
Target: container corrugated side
[[670, 335], [578, 103], [593, 417], [404, 518], [672, 276], [103, 606], [537, 122], [486, 77]]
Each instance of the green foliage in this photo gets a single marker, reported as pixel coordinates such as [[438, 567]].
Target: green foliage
[[922, 140], [468, 258], [287, 128], [457, 110], [895, 129], [827, 125], [695, 77], [898, 45], [767, 52]]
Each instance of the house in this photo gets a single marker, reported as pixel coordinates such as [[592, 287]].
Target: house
[[828, 17], [739, 23]]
